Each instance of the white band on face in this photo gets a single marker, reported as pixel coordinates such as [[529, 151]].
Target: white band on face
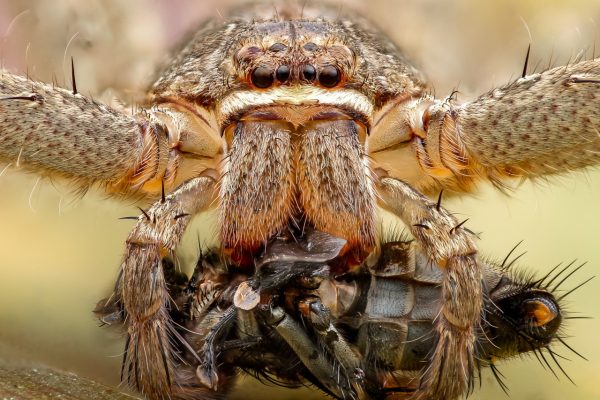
[[307, 95]]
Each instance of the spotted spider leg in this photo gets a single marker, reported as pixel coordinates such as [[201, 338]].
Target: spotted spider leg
[[60, 133], [542, 124], [148, 361], [449, 245]]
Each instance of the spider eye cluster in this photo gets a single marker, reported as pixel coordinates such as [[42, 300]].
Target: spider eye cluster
[[327, 76], [262, 77]]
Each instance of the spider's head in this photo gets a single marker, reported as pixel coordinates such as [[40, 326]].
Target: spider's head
[[293, 71], [293, 101], [316, 49]]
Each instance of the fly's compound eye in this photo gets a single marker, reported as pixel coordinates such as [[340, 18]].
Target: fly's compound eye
[[329, 76], [283, 73], [539, 312], [533, 313], [309, 73], [262, 77]]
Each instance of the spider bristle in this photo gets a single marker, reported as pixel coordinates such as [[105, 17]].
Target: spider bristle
[[559, 355], [163, 353], [180, 216], [136, 370], [539, 359], [471, 377], [540, 281], [125, 352], [144, 212], [438, 205], [421, 226], [73, 82], [524, 73], [458, 226], [118, 280]]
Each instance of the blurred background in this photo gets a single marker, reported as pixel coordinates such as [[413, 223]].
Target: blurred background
[[60, 253]]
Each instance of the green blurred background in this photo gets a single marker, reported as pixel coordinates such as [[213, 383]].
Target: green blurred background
[[60, 252]]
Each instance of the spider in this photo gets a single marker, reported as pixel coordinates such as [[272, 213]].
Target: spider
[[451, 207]]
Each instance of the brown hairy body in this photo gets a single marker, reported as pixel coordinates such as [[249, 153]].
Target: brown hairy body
[[277, 169]]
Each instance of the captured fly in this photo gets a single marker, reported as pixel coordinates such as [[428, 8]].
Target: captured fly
[[364, 334]]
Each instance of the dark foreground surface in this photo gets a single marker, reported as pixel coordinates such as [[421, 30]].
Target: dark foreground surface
[[45, 384]]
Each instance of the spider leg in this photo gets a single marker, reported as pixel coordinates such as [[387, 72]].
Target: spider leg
[[149, 362], [449, 245], [60, 133], [542, 124]]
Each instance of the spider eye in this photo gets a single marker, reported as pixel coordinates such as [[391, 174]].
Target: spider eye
[[283, 73], [329, 76], [310, 46], [277, 47], [309, 73], [262, 77]]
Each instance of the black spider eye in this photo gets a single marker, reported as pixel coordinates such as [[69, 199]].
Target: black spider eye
[[329, 76], [283, 73], [277, 47], [262, 77], [310, 46], [309, 72]]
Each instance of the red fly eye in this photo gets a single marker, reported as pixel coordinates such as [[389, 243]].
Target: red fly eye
[[329, 76], [262, 77]]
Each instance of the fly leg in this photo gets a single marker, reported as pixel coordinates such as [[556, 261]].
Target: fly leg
[[449, 245], [330, 377], [333, 340]]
